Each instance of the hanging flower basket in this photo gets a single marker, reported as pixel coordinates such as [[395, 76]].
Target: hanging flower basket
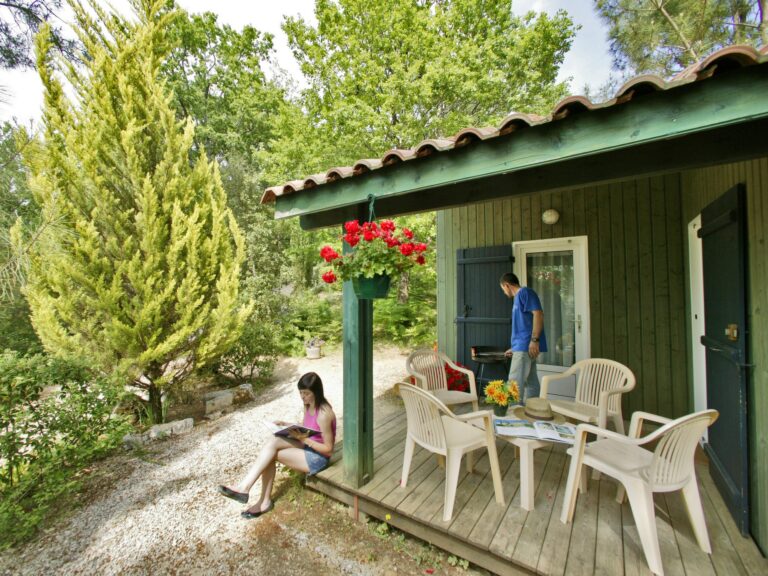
[[380, 253], [371, 288]]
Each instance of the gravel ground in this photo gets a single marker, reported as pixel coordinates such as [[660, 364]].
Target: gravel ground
[[159, 512]]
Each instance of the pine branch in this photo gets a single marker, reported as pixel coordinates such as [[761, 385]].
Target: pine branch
[[659, 4]]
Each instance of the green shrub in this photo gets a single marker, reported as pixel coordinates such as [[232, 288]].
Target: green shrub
[[309, 314], [55, 417]]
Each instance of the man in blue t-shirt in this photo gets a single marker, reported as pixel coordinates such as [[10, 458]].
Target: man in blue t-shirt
[[528, 338]]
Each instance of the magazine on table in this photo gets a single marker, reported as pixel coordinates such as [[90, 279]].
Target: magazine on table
[[539, 430], [284, 430]]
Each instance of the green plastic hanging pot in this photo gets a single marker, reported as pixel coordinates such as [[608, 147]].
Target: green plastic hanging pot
[[371, 288]]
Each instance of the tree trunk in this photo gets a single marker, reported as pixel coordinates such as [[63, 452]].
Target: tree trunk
[[404, 288], [156, 403]]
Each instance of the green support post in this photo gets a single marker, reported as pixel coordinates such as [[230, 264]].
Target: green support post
[[358, 387]]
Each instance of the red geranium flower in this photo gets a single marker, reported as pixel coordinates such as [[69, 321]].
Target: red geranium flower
[[328, 254], [420, 259], [419, 247], [370, 235], [352, 227], [351, 239], [387, 225], [329, 277], [407, 233], [406, 249]]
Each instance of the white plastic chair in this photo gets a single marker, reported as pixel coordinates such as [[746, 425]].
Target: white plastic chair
[[433, 426], [668, 467], [599, 386], [428, 369]]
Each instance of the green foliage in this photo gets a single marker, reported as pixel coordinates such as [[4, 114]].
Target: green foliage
[[16, 204], [409, 316], [665, 36], [216, 77], [306, 315], [388, 74], [19, 21], [374, 248], [54, 419], [144, 277]]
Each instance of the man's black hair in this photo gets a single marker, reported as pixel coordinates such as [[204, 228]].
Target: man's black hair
[[509, 278]]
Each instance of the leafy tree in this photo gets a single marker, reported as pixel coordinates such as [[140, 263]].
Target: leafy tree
[[19, 21], [143, 279], [16, 203], [665, 36], [216, 76], [388, 74]]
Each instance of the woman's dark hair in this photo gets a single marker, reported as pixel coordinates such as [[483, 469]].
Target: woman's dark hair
[[311, 381]]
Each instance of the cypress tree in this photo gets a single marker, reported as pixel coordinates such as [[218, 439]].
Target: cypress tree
[[142, 276]]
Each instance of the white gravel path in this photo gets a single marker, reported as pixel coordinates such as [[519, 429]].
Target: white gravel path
[[165, 516]]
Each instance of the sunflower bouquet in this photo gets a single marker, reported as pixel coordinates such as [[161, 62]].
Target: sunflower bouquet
[[502, 393]]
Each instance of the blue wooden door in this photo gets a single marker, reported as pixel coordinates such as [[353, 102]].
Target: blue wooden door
[[483, 313], [723, 234]]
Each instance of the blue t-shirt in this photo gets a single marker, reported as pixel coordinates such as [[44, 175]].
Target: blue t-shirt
[[526, 301]]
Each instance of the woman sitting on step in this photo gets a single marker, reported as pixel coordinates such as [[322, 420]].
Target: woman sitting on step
[[301, 452]]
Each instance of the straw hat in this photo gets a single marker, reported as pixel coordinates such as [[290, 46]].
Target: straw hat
[[537, 409]]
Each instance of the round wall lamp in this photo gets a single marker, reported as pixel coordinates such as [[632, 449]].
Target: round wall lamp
[[550, 216]]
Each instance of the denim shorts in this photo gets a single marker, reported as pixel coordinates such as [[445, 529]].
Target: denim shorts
[[315, 461]]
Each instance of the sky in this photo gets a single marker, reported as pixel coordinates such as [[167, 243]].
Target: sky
[[588, 62]]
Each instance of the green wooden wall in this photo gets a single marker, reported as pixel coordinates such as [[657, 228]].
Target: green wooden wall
[[699, 188], [636, 255]]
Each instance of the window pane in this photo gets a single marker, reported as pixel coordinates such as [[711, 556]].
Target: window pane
[[550, 274]]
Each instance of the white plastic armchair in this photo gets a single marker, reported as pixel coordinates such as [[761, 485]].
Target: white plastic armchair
[[433, 426], [599, 386], [641, 472], [428, 369]]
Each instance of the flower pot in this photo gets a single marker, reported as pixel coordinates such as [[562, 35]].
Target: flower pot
[[370, 288], [313, 352], [499, 411]]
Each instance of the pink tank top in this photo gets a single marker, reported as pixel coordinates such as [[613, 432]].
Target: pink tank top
[[310, 421]]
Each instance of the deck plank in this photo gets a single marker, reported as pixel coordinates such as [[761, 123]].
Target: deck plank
[[465, 521], [506, 538], [582, 550], [695, 560], [671, 559], [746, 550], [554, 550], [488, 524], [609, 536], [528, 548], [422, 466], [634, 558]]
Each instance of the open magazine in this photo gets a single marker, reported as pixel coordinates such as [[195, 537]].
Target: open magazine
[[284, 431], [539, 430]]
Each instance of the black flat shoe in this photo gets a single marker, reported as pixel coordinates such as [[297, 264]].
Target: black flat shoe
[[229, 493], [249, 514]]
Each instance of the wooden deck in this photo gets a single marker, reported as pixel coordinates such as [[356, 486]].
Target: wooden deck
[[508, 540]]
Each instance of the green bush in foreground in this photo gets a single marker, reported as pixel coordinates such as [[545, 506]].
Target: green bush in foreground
[[54, 419]]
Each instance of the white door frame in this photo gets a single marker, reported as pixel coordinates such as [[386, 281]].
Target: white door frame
[[696, 286], [579, 246]]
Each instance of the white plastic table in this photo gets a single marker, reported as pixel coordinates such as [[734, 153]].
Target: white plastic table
[[527, 447]]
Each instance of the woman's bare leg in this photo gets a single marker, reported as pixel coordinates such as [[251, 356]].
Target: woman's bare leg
[[291, 457], [267, 457]]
